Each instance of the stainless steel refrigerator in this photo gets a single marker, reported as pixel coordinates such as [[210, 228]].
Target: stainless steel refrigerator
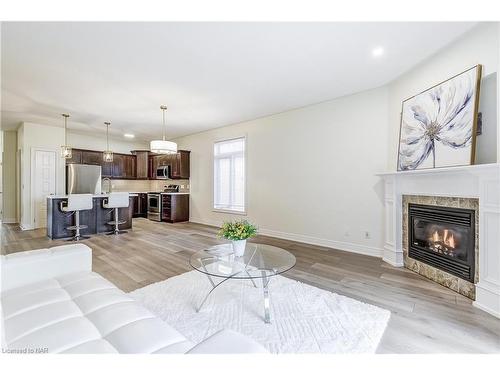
[[83, 179]]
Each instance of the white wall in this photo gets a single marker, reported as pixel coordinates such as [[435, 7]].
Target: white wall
[[32, 136], [478, 46], [98, 142], [486, 142], [9, 177], [310, 172]]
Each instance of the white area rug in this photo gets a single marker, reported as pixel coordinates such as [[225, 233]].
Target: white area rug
[[304, 319]]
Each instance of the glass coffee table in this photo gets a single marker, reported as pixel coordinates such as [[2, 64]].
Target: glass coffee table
[[259, 262]]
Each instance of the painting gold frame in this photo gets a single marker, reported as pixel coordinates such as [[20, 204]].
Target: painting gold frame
[[478, 68]]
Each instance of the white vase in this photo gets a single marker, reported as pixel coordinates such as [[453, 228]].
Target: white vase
[[239, 247]]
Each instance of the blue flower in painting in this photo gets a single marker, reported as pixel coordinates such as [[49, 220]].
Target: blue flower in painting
[[442, 114]]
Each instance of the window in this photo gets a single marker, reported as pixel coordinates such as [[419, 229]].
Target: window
[[229, 175]]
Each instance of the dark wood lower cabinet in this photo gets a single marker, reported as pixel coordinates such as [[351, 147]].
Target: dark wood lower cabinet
[[141, 205], [175, 207], [96, 218]]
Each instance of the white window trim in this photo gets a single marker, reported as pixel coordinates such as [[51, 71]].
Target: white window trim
[[222, 210]]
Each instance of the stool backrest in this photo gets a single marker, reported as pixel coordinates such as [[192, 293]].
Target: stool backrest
[[117, 200], [78, 202]]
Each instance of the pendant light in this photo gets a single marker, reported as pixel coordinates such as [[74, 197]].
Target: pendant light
[[107, 155], [66, 150], [163, 146]]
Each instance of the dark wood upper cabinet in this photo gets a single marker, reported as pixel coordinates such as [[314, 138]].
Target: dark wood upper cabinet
[[180, 165], [107, 169], [118, 166], [142, 160], [130, 171], [76, 157], [141, 165], [152, 164], [91, 157]]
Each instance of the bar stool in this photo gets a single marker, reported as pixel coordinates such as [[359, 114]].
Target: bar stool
[[77, 203], [116, 201]]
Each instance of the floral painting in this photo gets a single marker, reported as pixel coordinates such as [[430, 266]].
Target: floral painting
[[438, 125]]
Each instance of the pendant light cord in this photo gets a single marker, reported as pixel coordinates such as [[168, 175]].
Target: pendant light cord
[[65, 129], [164, 124], [107, 137]]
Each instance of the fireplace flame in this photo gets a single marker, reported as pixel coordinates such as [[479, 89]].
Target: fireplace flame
[[449, 239], [435, 236], [446, 238]]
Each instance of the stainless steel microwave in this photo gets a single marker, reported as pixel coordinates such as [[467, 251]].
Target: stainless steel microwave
[[163, 172]]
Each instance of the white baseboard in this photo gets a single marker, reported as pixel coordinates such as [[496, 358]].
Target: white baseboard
[[339, 245], [488, 298], [9, 220], [26, 227]]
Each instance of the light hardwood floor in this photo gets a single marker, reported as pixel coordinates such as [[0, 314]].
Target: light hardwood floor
[[426, 317]]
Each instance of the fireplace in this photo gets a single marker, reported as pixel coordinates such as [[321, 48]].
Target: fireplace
[[443, 237]]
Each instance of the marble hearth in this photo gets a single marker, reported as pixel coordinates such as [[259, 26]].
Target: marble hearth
[[474, 187], [444, 278]]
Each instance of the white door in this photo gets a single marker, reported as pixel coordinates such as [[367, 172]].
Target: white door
[[44, 184]]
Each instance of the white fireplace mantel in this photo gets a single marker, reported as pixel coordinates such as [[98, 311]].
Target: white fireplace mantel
[[475, 181]]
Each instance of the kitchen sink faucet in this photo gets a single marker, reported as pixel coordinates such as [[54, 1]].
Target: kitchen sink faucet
[[110, 186]]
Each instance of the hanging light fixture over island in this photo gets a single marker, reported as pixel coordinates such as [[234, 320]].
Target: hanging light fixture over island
[[65, 149], [107, 155], [163, 146]]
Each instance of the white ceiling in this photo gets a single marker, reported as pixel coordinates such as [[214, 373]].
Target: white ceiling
[[209, 74]]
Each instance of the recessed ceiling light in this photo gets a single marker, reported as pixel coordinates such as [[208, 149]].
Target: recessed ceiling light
[[377, 52], [128, 135]]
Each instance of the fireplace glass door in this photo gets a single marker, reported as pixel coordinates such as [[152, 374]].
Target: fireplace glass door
[[443, 237], [447, 239]]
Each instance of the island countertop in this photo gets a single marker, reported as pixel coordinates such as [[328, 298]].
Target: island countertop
[[103, 195], [96, 219]]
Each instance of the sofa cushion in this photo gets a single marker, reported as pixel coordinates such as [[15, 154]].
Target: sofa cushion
[[83, 313], [34, 266]]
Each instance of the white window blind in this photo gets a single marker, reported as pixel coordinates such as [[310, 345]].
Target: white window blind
[[229, 175]]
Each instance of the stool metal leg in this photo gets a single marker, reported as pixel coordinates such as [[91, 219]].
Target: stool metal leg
[[116, 222], [77, 227]]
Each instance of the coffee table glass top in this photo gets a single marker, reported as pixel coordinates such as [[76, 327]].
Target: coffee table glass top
[[258, 261]]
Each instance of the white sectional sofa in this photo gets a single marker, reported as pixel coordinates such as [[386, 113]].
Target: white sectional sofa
[[52, 302]]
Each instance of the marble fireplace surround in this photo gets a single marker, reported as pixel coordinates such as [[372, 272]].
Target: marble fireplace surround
[[459, 285], [477, 181]]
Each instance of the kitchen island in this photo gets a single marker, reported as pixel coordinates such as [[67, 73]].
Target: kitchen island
[[96, 219]]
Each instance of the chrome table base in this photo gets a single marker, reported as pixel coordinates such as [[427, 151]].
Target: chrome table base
[[265, 288]]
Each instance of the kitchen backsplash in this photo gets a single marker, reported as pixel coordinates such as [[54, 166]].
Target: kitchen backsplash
[[145, 185], [159, 185]]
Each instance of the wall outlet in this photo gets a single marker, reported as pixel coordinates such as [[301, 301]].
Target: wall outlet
[[367, 235], [347, 234]]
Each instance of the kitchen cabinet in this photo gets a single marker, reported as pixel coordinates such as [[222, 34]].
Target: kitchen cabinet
[[152, 164], [141, 205], [142, 164], [92, 157], [76, 157], [96, 219], [107, 169], [175, 207], [124, 166], [130, 167], [180, 165]]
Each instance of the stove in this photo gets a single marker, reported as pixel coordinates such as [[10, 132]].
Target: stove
[[154, 201]]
